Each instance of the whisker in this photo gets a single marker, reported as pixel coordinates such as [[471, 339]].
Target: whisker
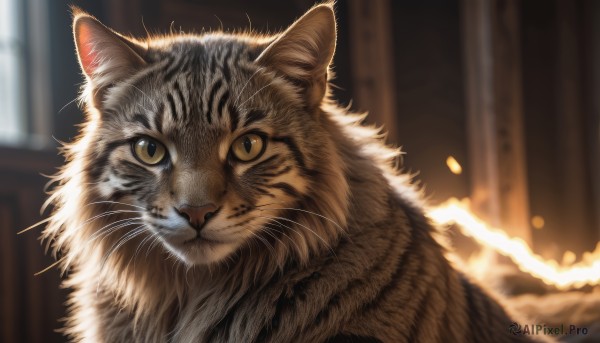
[[305, 211], [309, 229], [107, 232], [137, 250], [35, 225], [114, 202], [154, 243], [264, 241], [50, 266], [100, 231], [255, 93], [283, 233], [122, 241], [119, 227], [134, 233], [152, 102], [67, 104], [271, 220], [101, 215], [271, 234], [246, 84]]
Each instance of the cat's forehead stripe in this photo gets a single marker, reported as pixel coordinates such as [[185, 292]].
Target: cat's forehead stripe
[[253, 116], [211, 97], [182, 99], [234, 117], [172, 108], [142, 119]]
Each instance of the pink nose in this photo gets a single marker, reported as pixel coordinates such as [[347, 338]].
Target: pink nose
[[197, 215]]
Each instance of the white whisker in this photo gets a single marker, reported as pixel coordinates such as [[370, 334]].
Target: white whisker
[[305, 211], [253, 95], [309, 229], [114, 202], [246, 84]]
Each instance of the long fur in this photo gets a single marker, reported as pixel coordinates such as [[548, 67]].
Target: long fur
[[338, 247]]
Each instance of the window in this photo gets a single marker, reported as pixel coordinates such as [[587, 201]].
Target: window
[[12, 118]]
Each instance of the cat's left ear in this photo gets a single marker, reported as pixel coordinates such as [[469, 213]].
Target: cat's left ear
[[304, 51], [105, 56]]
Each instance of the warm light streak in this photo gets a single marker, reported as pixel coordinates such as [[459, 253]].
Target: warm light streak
[[565, 275]]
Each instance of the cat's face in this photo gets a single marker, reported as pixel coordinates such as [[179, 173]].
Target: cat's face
[[210, 139], [207, 154]]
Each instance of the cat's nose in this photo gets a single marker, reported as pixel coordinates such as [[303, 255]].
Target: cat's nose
[[197, 215]]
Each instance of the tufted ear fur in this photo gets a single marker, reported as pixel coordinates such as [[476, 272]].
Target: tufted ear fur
[[304, 51], [105, 56]]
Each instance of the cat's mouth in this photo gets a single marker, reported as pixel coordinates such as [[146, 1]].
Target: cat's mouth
[[199, 239]]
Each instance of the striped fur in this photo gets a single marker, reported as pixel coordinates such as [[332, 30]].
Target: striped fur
[[319, 239]]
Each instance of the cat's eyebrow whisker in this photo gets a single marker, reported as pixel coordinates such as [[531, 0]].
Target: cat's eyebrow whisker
[[255, 93], [246, 84], [141, 91]]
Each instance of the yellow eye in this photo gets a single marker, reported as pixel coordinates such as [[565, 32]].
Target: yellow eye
[[149, 150], [248, 147]]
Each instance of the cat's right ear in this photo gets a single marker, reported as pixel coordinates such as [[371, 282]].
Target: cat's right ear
[[303, 52], [105, 56]]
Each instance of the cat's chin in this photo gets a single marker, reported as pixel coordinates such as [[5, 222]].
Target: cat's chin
[[200, 251]]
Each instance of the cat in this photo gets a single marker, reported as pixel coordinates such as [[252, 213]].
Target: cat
[[217, 193]]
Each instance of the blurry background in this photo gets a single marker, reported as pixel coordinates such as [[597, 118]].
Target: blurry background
[[509, 89]]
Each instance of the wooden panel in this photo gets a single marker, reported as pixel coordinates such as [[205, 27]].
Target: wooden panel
[[560, 78], [31, 305], [428, 94], [8, 262], [373, 70], [508, 107], [539, 19], [492, 66], [591, 12], [480, 101], [574, 165]]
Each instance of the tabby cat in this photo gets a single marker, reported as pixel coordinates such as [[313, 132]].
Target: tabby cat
[[217, 194]]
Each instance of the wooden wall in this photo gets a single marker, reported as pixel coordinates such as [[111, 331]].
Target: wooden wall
[[559, 71], [30, 305]]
